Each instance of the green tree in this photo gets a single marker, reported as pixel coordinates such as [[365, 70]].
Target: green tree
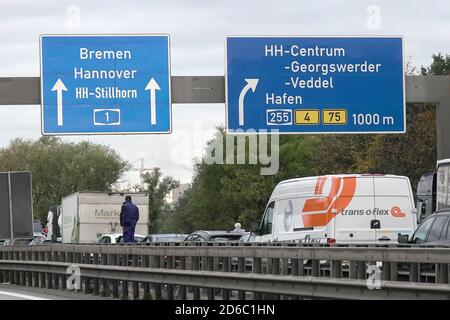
[[336, 154], [167, 222], [245, 191], [158, 187], [222, 194], [439, 67], [182, 222], [202, 206], [60, 168], [411, 154]]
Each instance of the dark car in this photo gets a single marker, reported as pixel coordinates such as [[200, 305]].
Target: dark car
[[219, 236], [165, 237], [434, 230]]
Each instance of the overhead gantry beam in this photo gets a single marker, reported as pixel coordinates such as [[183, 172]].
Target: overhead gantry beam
[[211, 89]]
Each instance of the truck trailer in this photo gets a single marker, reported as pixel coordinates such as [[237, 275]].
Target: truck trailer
[[86, 216], [16, 206], [433, 190]]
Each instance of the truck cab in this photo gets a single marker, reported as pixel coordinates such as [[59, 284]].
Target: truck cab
[[426, 196], [443, 184], [54, 224]]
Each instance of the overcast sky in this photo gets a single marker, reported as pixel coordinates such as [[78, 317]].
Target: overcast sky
[[197, 30]]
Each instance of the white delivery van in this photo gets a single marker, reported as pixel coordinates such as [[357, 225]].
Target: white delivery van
[[344, 209], [86, 216]]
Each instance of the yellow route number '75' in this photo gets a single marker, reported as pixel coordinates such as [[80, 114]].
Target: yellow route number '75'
[[334, 116]]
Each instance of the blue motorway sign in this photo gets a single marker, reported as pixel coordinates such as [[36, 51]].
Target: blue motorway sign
[[105, 84], [315, 85]]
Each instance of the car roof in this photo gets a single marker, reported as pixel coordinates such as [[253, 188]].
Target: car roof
[[216, 232], [443, 161], [119, 235], [443, 211], [358, 175], [166, 234], [112, 235]]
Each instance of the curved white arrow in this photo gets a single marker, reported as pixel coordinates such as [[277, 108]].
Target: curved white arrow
[[59, 87], [152, 85], [251, 84]]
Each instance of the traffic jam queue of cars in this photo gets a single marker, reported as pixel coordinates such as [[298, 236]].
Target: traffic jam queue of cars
[[332, 209]]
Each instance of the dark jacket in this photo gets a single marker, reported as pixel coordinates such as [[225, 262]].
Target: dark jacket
[[129, 214], [122, 211]]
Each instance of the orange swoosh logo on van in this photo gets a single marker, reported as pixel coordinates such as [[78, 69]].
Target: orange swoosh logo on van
[[397, 212], [319, 211]]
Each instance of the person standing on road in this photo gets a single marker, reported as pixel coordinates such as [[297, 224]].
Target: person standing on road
[[129, 216]]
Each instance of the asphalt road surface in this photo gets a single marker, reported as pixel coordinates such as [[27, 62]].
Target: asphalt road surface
[[11, 292]]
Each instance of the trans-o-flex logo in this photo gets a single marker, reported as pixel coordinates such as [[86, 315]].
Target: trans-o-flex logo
[[394, 211]]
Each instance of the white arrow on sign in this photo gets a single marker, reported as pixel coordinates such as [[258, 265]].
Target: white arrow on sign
[[251, 84], [152, 85], [59, 87]]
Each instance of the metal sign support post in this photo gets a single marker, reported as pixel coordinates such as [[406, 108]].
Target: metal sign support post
[[11, 223]]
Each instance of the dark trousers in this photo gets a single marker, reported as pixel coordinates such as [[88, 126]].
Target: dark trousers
[[128, 233]]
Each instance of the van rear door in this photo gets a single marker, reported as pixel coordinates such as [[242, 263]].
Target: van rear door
[[394, 208], [354, 210]]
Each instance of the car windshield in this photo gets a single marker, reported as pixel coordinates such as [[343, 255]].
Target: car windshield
[[247, 238], [38, 240], [104, 240], [422, 231]]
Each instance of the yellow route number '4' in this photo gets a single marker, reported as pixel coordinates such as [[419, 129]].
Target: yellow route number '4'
[[306, 116]]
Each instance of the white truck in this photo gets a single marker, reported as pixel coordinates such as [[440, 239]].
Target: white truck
[[342, 209], [433, 190], [86, 216]]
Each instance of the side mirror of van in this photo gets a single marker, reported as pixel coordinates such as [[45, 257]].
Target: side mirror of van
[[254, 227], [403, 238]]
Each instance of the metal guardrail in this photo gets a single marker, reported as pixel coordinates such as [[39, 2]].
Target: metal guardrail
[[224, 271]]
